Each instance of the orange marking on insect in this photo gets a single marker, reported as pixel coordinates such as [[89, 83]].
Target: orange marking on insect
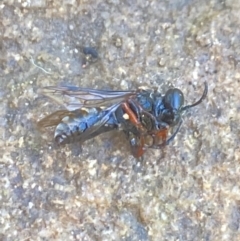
[[132, 117], [138, 151], [160, 135]]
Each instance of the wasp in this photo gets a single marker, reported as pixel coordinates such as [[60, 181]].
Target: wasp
[[145, 116]]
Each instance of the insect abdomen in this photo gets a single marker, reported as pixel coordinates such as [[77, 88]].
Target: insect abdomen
[[71, 128]]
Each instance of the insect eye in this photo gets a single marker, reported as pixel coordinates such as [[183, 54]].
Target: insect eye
[[173, 99]]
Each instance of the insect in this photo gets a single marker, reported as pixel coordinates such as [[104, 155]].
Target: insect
[[144, 116]]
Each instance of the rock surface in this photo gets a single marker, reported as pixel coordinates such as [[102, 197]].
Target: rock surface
[[188, 191]]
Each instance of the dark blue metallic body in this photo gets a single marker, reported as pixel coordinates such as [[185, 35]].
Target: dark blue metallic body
[[138, 113], [153, 103]]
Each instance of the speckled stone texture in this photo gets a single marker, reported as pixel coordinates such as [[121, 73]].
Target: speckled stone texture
[[188, 191]]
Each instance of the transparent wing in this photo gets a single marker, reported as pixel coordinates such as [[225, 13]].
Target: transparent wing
[[73, 98], [55, 118]]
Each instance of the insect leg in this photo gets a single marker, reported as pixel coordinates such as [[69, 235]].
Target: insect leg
[[138, 109], [169, 139], [137, 144], [160, 135], [132, 116]]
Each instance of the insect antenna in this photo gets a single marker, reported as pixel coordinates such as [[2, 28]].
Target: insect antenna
[[204, 95], [174, 134]]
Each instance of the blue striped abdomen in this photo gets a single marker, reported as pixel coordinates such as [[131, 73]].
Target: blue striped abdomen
[[71, 128]]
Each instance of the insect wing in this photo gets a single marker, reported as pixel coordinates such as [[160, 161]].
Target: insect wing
[[73, 98], [91, 130], [54, 118]]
